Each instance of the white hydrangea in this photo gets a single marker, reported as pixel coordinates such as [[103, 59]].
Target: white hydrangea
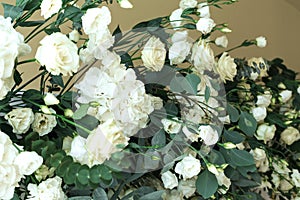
[[120, 95], [28, 162], [49, 189]]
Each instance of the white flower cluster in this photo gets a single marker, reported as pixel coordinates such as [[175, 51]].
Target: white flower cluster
[[48, 189], [14, 165], [11, 46]]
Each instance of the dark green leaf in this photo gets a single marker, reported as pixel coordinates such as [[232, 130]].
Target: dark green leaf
[[83, 175], [206, 184], [57, 80], [49, 31], [247, 123], [233, 136], [159, 139], [216, 157], [31, 23], [17, 77], [194, 81], [207, 93], [240, 157], [233, 113], [189, 26], [80, 198]]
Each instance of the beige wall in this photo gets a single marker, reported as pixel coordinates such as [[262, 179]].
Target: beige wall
[[278, 20]]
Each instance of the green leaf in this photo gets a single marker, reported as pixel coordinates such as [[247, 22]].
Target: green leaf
[[100, 193], [49, 31], [233, 113], [57, 80], [206, 184], [159, 139], [73, 13], [153, 195], [207, 93], [70, 175], [247, 123], [80, 198], [182, 84], [11, 11], [88, 122], [233, 136], [216, 157], [194, 81], [81, 111], [189, 26], [17, 77], [31, 23], [83, 175], [240, 158]]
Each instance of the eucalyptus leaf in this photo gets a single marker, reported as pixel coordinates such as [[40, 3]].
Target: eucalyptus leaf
[[12, 11], [233, 113], [81, 111], [99, 194]]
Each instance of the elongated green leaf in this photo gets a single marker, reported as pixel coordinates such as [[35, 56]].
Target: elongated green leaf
[[247, 123], [207, 93], [233, 113], [233, 136], [206, 184], [240, 157], [11, 11], [194, 81]]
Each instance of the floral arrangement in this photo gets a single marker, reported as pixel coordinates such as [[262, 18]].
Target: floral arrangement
[[150, 113]]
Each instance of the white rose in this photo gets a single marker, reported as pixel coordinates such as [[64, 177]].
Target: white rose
[[296, 177], [285, 95], [74, 35], [171, 126], [103, 142], [169, 180], [49, 189], [290, 135], [261, 42], [259, 113], [188, 167], [205, 25], [125, 4], [203, 9], [78, 150], [28, 162], [43, 123], [175, 18], [96, 19], [187, 187], [20, 119], [154, 54], [223, 180], [264, 100], [226, 67], [9, 179], [50, 99], [221, 41], [193, 136], [184, 4], [261, 160], [202, 56], [58, 54], [265, 132], [50, 7], [5, 86], [208, 135]]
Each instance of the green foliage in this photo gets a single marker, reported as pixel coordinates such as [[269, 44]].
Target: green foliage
[[247, 123], [206, 184], [11, 11]]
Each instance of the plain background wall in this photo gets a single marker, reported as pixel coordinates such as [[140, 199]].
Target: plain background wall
[[277, 20]]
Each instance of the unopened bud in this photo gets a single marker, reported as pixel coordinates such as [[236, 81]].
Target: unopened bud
[[50, 99], [229, 145], [225, 30], [212, 168], [46, 110], [68, 113]]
